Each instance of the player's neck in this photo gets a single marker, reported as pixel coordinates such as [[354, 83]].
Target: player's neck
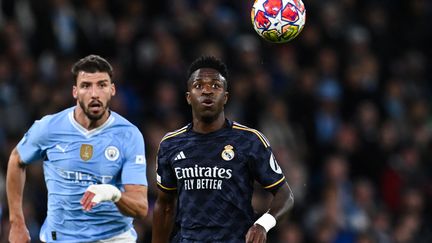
[[86, 122], [202, 126]]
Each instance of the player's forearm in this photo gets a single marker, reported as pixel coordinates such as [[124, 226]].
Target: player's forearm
[[283, 201], [133, 204], [15, 181], [163, 221]]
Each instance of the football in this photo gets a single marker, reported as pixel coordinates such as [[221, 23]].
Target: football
[[278, 21]]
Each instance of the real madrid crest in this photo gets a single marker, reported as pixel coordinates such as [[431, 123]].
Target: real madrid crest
[[228, 153], [86, 151], [112, 153]]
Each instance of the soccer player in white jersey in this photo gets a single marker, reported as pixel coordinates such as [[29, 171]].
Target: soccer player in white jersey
[[94, 166]]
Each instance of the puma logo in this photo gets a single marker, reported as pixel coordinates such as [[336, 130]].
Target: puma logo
[[60, 148]]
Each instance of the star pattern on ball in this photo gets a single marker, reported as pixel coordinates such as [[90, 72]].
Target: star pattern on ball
[[276, 22]]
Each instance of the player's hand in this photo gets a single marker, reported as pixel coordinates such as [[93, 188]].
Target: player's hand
[[256, 234], [99, 193], [19, 233]]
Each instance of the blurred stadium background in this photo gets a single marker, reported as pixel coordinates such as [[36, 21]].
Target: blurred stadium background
[[346, 105]]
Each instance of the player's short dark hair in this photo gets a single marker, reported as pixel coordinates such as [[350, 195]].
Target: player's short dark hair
[[208, 62], [92, 64]]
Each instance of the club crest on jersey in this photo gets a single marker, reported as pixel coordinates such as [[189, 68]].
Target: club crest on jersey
[[86, 151], [228, 153], [112, 153]]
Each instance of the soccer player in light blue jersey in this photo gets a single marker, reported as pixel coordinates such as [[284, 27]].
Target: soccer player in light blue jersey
[[94, 166]]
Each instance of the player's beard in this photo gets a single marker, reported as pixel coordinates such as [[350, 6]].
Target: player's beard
[[91, 116]]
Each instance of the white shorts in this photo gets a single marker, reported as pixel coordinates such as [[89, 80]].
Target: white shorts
[[126, 237]]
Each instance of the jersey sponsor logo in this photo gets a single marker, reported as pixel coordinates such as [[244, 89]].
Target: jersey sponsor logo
[[112, 153], [199, 171], [180, 156], [82, 177], [86, 151], [228, 153], [274, 165], [198, 177]]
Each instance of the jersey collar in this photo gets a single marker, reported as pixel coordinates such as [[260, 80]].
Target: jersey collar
[[228, 124], [92, 132]]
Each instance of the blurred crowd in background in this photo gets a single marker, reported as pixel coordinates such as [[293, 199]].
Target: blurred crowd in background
[[346, 105]]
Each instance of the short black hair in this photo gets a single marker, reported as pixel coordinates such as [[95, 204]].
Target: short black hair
[[92, 64], [208, 62]]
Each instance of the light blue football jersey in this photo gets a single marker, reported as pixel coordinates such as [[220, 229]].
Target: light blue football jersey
[[74, 158]]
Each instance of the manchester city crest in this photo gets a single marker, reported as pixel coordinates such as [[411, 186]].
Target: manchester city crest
[[228, 153], [112, 153]]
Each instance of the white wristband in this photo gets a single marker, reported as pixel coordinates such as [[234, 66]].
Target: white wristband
[[267, 221], [104, 192]]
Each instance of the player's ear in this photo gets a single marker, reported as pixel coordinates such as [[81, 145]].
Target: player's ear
[[113, 89], [226, 97], [75, 91], [188, 99]]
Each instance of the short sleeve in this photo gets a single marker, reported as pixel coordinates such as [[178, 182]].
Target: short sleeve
[[266, 169], [134, 166], [165, 176], [30, 147]]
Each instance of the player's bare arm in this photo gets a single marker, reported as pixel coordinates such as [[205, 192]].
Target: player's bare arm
[[283, 200], [15, 181], [163, 216], [132, 202]]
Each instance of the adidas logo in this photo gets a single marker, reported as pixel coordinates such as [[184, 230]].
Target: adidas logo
[[180, 156]]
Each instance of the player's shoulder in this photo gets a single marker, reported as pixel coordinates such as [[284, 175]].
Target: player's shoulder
[[121, 121], [171, 140], [43, 127], [123, 128], [174, 134], [250, 133], [52, 120]]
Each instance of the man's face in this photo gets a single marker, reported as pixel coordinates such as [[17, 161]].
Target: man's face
[[207, 94], [93, 92]]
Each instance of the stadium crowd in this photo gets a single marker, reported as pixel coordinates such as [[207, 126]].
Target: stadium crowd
[[346, 105]]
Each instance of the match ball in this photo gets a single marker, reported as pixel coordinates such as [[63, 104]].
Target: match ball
[[278, 21]]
